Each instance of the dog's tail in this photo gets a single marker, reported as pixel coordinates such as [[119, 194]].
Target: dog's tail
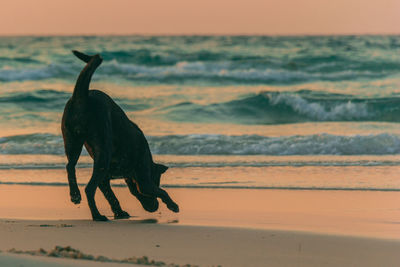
[[81, 89]]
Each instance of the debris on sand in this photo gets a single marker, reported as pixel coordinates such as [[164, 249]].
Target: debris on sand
[[71, 253]]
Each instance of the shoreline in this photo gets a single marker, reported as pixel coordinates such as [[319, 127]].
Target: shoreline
[[198, 245], [225, 227], [347, 213]]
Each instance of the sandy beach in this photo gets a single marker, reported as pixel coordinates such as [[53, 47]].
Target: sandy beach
[[224, 227]]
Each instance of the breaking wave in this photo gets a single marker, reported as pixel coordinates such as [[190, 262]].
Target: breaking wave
[[291, 107], [261, 108], [326, 188], [321, 144], [224, 72]]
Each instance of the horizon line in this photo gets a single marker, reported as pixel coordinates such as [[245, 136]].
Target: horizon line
[[194, 34]]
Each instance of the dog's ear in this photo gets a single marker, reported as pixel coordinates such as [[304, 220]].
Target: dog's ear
[[161, 168], [82, 56]]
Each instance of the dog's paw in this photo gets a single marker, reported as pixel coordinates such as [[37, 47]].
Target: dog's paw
[[76, 197], [173, 206], [100, 218], [121, 215]]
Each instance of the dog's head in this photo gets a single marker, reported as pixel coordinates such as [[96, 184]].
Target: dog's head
[[150, 204], [157, 170]]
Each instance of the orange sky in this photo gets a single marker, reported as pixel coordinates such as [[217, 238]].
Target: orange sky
[[199, 16]]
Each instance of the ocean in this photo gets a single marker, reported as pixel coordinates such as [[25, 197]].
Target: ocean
[[261, 112]]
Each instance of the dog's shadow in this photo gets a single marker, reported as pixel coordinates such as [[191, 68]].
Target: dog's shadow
[[150, 221], [144, 221]]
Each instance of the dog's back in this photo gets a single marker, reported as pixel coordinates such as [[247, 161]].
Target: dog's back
[[128, 141]]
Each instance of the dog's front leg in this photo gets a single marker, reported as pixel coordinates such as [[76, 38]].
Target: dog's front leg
[[149, 189]]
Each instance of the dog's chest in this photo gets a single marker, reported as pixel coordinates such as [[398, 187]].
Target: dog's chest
[[120, 169]]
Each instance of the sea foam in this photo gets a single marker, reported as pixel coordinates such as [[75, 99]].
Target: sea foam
[[319, 144]]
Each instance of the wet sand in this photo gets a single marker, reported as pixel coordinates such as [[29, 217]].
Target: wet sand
[[215, 226]]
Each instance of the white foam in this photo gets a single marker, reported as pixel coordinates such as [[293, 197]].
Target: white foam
[[323, 144], [317, 111], [319, 144], [44, 72], [218, 70]]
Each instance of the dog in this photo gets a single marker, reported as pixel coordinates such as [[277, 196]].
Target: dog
[[117, 146]]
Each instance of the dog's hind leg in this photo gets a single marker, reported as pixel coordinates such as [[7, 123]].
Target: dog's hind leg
[[99, 173], [151, 190], [112, 199], [73, 148], [102, 155]]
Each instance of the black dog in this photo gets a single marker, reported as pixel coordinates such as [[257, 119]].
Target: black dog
[[116, 144]]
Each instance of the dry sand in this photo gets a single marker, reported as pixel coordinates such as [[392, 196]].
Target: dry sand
[[205, 246], [215, 227]]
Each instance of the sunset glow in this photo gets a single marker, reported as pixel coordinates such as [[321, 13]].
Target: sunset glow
[[45, 17], [206, 132]]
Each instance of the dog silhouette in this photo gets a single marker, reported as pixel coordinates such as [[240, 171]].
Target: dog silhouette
[[117, 145]]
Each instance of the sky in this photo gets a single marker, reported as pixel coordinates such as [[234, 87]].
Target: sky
[[177, 17]]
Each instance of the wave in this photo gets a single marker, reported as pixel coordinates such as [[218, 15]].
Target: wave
[[41, 72], [40, 166], [227, 61], [285, 188], [290, 107], [25, 60], [214, 59], [262, 108], [52, 100], [218, 72], [37, 100], [316, 188], [226, 73], [183, 71], [221, 164], [321, 144]]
